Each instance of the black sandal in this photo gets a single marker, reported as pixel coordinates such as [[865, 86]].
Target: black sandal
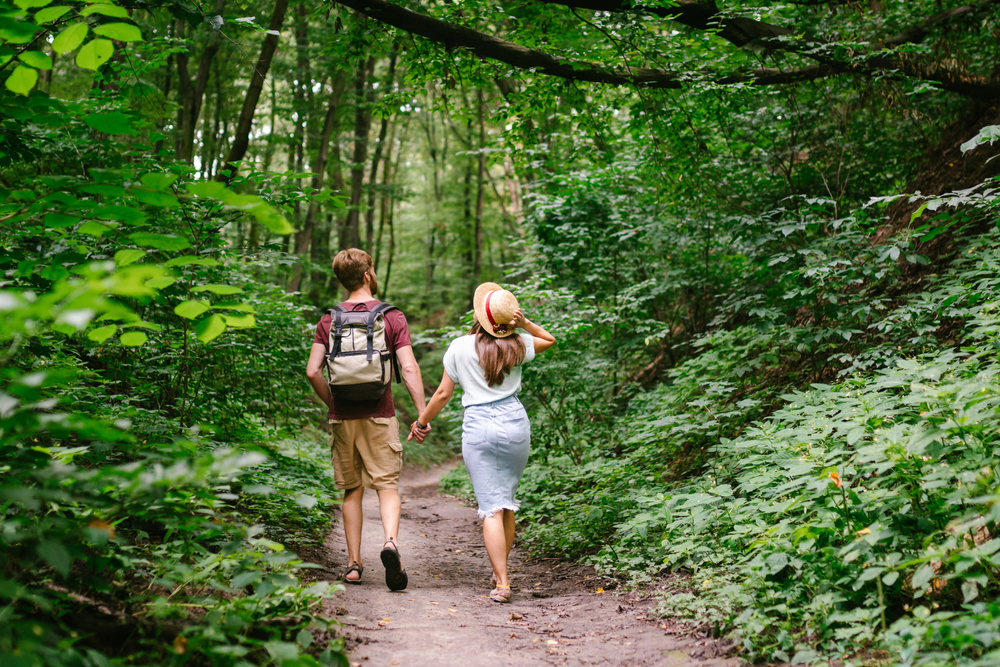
[[395, 575], [353, 567]]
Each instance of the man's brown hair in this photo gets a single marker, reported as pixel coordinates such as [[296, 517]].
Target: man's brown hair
[[350, 266]]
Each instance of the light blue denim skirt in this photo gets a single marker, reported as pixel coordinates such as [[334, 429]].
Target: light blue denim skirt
[[496, 438]]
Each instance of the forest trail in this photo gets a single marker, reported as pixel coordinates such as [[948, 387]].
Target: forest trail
[[444, 618]]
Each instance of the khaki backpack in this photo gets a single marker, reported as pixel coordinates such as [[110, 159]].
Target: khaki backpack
[[359, 364]]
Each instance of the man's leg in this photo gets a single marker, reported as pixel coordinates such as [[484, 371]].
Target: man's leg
[[353, 519], [389, 508]]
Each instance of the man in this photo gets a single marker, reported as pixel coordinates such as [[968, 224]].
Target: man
[[366, 449]]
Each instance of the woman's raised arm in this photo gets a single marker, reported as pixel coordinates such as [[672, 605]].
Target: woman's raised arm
[[543, 339]]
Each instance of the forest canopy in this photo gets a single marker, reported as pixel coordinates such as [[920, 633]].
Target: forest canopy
[[763, 233]]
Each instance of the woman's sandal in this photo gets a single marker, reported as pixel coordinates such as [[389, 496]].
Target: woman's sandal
[[395, 575], [500, 594], [353, 567]]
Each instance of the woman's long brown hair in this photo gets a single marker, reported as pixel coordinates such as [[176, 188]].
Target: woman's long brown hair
[[497, 355]]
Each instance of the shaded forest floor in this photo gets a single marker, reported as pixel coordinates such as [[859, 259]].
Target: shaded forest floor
[[557, 616]]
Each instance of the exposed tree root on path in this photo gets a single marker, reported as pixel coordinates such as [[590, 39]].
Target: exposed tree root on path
[[444, 618]]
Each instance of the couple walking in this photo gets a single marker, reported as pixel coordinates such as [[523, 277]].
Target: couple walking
[[366, 449]]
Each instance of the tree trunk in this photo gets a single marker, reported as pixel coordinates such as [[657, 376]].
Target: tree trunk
[[241, 138], [191, 94], [351, 234], [376, 158], [478, 232], [392, 205], [305, 235]]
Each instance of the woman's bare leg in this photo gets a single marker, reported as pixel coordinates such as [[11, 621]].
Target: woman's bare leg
[[508, 529], [496, 546]]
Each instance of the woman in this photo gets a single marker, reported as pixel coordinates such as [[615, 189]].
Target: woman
[[495, 432]]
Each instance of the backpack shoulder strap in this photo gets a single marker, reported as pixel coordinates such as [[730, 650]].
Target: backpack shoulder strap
[[336, 329], [382, 309]]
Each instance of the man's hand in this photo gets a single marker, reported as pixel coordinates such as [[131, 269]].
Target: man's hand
[[418, 433]]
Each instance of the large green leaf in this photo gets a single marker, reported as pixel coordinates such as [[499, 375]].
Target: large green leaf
[[187, 260], [217, 289], [128, 256], [160, 241], [106, 10], [158, 199], [158, 181], [36, 59], [116, 212], [239, 321], [22, 80], [111, 122], [133, 339], [55, 554], [32, 4], [50, 14], [210, 328], [95, 53], [56, 220], [191, 309], [123, 32], [70, 38], [101, 334]]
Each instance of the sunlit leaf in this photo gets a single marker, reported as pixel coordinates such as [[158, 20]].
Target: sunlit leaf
[[101, 334], [50, 14], [128, 255], [22, 80], [95, 53], [160, 241], [70, 38], [191, 309], [209, 328], [122, 32], [36, 59], [106, 10], [133, 339], [239, 321], [192, 259], [217, 289]]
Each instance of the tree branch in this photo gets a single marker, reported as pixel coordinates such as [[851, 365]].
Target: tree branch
[[494, 48]]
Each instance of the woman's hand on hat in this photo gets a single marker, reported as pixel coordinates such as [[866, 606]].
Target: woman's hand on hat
[[519, 319]]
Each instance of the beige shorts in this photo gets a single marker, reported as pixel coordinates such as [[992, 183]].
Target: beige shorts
[[366, 452]]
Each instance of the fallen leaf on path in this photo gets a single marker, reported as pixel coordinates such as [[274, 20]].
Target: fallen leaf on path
[[599, 590], [551, 641], [410, 600], [394, 662], [514, 616], [341, 611], [180, 645], [384, 622], [539, 583], [458, 551], [513, 636], [450, 609], [435, 603]]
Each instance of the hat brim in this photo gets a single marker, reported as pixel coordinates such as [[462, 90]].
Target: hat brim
[[479, 308]]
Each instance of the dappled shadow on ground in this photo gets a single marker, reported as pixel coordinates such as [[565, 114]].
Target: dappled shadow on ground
[[444, 618]]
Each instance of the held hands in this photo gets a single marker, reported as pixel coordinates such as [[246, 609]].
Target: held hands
[[418, 433]]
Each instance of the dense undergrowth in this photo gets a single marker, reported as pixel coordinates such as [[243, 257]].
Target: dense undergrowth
[[824, 464]]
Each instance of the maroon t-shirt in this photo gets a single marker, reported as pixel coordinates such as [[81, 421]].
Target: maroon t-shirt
[[397, 335]]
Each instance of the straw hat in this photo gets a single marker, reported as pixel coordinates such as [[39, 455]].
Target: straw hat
[[495, 307]]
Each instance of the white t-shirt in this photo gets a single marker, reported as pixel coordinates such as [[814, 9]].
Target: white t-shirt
[[461, 363]]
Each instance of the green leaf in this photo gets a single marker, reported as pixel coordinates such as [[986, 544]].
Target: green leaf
[[158, 181], [104, 189], [36, 59], [95, 228], [160, 241], [210, 189], [193, 259], [232, 305], [133, 339], [101, 334], [51, 14], [32, 4], [56, 220], [890, 578], [123, 32], [22, 80], [106, 10], [17, 32], [218, 289], [191, 309], [160, 283], [239, 321], [160, 199], [129, 255], [304, 638], [112, 122], [210, 328], [95, 53], [70, 38], [116, 212], [55, 554]]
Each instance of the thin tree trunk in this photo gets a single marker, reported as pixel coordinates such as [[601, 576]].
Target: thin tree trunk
[[166, 96], [241, 138], [376, 158], [362, 126], [478, 235], [383, 202], [305, 236], [191, 94], [392, 206], [269, 150]]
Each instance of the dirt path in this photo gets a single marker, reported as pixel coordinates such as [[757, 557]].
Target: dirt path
[[444, 618]]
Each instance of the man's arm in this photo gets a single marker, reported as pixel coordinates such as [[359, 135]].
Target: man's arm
[[411, 376], [314, 371]]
